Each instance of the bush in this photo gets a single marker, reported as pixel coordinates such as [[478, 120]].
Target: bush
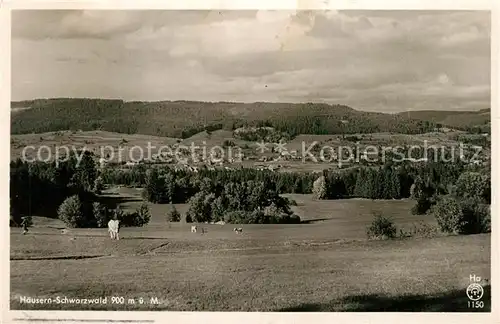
[[476, 217], [189, 218], [70, 212], [474, 185], [448, 212], [98, 185], [173, 215], [259, 217], [469, 216], [138, 218], [142, 215], [421, 229], [238, 217], [289, 219], [100, 214], [422, 206], [381, 228]]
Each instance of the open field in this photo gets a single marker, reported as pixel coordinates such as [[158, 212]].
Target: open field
[[229, 274], [324, 264]]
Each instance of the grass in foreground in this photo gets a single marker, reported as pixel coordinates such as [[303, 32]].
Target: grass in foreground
[[411, 275]]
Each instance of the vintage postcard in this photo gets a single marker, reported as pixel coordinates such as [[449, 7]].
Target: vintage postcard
[[300, 162]]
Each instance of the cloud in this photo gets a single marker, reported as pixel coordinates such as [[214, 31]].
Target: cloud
[[372, 60], [40, 24]]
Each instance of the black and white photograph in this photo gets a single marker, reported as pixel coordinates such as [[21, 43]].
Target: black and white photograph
[[250, 160]]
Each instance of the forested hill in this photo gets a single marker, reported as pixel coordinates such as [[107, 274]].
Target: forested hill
[[185, 118], [456, 119]]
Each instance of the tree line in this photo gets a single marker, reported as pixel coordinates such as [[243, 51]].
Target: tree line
[[167, 185], [72, 190], [65, 189]]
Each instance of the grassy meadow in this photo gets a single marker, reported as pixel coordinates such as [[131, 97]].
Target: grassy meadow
[[323, 264]]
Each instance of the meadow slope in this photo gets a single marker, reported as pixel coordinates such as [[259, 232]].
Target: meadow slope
[[324, 264]]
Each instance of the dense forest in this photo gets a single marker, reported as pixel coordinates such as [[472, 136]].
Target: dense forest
[[472, 121], [185, 118], [67, 190]]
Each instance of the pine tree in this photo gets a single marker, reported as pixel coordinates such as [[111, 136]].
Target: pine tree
[[360, 189]]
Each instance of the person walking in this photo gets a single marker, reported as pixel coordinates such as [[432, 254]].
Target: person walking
[[25, 225]]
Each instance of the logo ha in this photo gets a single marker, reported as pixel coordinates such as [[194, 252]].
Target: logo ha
[[474, 290]]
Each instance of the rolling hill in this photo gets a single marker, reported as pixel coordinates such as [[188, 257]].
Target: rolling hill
[[186, 118], [454, 119]]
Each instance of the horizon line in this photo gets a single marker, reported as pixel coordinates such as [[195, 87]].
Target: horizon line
[[244, 102]]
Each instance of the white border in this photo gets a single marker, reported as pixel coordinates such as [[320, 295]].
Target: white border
[[242, 318]]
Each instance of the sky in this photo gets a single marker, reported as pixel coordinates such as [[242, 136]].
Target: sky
[[384, 61]]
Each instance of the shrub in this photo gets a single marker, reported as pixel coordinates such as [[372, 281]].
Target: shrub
[[237, 217], [128, 219], [422, 206], [448, 214], [381, 228], [476, 217], [468, 216], [474, 185], [295, 219], [142, 215], [70, 212], [289, 219], [100, 214], [189, 219], [138, 218], [405, 234], [98, 185], [422, 229], [259, 217], [173, 215]]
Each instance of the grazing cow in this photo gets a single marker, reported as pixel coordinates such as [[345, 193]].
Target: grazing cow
[[113, 229], [238, 230], [193, 229]]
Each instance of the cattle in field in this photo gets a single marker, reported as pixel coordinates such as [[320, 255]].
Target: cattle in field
[[113, 229], [238, 230], [193, 229]]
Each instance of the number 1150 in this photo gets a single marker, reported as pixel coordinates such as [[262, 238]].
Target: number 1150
[[476, 304]]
